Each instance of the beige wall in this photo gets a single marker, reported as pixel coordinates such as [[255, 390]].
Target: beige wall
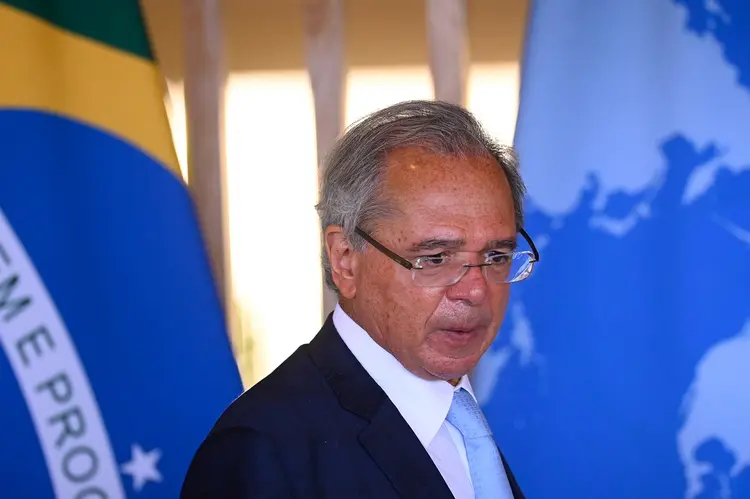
[[270, 135], [263, 35]]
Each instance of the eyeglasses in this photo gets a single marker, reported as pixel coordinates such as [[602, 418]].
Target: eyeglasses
[[446, 269]]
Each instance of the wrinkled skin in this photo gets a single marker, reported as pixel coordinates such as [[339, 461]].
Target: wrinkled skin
[[435, 332]]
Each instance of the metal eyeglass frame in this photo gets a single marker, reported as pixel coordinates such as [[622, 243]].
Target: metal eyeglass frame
[[409, 266]]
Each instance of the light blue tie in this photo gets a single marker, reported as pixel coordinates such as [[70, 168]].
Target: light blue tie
[[486, 466]]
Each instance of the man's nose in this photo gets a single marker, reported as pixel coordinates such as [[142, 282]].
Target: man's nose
[[471, 288]]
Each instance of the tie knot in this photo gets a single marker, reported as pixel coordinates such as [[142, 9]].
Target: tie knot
[[467, 417]]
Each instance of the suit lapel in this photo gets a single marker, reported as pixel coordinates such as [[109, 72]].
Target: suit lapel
[[399, 453], [514, 487], [388, 439]]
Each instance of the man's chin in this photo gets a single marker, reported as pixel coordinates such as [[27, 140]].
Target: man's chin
[[450, 368]]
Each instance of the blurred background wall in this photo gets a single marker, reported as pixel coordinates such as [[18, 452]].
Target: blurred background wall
[[269, 142]]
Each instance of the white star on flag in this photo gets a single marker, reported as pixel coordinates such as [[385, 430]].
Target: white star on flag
[[142, 466]]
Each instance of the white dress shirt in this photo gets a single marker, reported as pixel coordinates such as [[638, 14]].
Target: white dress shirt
[[424, 404]]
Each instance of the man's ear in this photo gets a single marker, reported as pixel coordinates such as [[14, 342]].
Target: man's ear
[[343, 260]]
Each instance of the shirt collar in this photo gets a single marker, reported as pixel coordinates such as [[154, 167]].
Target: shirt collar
[[424, 404]]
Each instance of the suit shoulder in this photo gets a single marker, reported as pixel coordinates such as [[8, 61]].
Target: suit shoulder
[[238, 462], [279, 400]]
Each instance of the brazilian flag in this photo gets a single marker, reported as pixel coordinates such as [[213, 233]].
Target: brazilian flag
[[115, 356]]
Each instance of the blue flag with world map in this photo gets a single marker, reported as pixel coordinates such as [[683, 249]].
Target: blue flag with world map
[[623, 368], [114, 355]]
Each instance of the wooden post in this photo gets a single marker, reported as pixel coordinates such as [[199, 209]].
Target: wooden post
[[324, 52], [448, 43], [205, 77]]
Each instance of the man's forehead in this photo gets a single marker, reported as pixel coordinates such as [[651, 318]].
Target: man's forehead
[[420, 181], [448, 198], [417, 164]]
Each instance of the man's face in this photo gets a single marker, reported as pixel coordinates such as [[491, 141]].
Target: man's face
[[435, 332]]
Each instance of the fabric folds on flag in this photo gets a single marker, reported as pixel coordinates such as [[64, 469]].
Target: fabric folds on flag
[[116, 356]]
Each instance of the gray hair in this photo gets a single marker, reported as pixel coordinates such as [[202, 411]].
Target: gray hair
[[352, 194]]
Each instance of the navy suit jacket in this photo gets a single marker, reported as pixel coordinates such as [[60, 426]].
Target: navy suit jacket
[[317, 427]]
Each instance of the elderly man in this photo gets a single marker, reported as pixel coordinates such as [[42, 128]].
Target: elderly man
[[422, 221]]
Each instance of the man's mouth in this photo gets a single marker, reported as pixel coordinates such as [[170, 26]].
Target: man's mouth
[[461, 335], [462, 328]]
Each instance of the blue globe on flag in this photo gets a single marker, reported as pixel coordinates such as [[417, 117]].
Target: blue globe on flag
[[623, 367]]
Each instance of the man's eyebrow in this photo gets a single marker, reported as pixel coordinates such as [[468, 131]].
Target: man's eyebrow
[[434, 243], [509, 244]]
